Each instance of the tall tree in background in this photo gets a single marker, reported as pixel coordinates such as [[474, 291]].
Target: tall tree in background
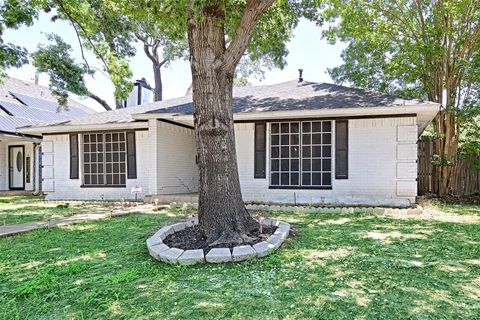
[[421, 49]]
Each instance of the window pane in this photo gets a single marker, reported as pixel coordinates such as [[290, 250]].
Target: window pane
[[285, 139], [306, 179], [294, 165], [275, 165], [316, 151], [294, 139], [274, 127], [284, 152], [306, 165], [294, 179], [284, 128], [294, 127], [275, 140], [326, 164], [285, 165], [327, 138], [317, 138], [285, 179], [306, 139], [275, 152], [306, 152], [327, 126], [327, 151], [316, 179], [326, 179], [275, 179], [306, 127], [294, 152], [317, 127], [316, 165]]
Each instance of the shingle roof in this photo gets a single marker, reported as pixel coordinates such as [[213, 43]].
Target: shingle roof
[[292, 95], [286, 96], [25, 104]]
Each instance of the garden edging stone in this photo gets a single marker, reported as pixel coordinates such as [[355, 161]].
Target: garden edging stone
[[160, 251]]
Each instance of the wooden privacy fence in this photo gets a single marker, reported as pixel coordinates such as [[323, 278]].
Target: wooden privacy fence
[[464, 180]]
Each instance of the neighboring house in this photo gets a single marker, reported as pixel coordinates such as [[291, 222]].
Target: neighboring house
[[24, 103], [297, 142]]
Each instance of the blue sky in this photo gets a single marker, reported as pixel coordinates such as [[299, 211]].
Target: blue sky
[[307, 50]]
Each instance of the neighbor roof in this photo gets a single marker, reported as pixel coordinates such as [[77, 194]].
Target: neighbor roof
[[286, 96], [23, 104]]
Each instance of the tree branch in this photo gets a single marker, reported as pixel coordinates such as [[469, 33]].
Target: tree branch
[[74, 21], [251, 15], [102, 102]]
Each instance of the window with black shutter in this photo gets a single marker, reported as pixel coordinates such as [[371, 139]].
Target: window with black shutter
[[260, 156], [74, 156], [341, 149], [131, 156], [104, 159], [301, 154]]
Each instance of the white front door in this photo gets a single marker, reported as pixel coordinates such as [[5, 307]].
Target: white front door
[[16, 167]]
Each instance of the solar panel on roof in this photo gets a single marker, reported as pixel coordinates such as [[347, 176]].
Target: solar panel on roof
[[10, 124], [49, 105], [36, 114]]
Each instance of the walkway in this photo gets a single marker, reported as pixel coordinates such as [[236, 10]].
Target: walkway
[[14, 229]]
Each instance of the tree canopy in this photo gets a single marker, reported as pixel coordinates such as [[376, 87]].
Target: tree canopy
[[421, 49]]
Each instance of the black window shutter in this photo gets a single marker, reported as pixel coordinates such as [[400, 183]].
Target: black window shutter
[[341, 149], [260, 156], [74, 156], [131, 156]]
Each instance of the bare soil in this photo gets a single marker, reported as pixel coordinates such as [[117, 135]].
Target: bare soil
[[192, 238]]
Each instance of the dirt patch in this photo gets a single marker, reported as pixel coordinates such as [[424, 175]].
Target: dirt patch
[[192, 238], [449, 199]]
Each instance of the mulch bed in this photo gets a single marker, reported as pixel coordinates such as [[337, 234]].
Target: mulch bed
[[191, 239]]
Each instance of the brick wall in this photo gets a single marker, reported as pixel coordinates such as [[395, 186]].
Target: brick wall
[[382, 167], [165, 165]]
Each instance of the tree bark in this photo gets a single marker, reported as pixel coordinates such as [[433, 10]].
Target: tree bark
[[222, 214], [157, 75], [102, 102], [445, 148]]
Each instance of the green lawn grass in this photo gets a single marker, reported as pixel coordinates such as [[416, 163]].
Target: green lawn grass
[[349, 266], [22, 209]]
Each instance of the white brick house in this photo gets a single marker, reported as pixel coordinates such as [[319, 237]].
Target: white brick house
[[297, 142]]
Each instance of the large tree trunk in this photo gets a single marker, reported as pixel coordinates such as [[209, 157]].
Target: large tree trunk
[[222, 213], [157, 75]]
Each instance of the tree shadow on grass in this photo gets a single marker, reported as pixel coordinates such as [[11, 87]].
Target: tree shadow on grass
[[331, 268]]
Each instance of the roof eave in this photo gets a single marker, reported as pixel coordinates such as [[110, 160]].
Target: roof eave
[[290, 114], [40, 130]]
